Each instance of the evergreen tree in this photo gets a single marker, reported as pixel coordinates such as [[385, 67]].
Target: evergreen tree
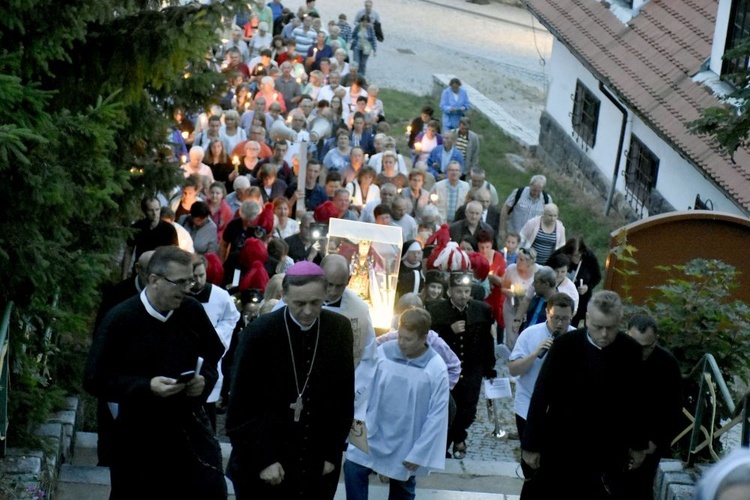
[[88, 88]]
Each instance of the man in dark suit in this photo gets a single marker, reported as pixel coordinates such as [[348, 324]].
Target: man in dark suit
[[303, 246], [490, 214]]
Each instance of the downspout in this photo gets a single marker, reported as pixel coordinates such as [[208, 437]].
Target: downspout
[[620, 144]]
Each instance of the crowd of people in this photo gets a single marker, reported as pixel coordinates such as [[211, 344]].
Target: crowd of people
[[241, 241]]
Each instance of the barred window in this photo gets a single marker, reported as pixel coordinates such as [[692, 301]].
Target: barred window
[[737, 32], [641, 171], [585, 114]]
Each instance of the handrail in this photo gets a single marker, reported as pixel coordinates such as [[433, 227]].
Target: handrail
[[4, 380], [709, 371]]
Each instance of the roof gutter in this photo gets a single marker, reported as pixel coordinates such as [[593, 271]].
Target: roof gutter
[[620, 144]]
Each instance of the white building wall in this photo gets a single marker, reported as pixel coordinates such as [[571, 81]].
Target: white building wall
[[720, 35], [565, 69], [678, 181]]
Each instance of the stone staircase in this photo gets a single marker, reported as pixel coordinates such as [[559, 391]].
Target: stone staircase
[[81, 479]]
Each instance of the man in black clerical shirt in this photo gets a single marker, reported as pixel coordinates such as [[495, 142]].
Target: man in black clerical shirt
[[291, 401], [161, 439], [586, 425], [150, 232], [663, 379], [465, 325]]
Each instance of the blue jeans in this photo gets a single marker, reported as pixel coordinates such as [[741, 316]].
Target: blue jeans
[[361, 59], [357, 482]]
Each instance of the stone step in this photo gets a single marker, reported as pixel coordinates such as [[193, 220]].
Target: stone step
[[78, 482], [469, 479]]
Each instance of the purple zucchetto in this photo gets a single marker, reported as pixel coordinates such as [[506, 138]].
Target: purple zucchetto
[[305, 268]]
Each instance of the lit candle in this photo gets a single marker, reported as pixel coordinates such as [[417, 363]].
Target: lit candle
[[367, 157], [418, 146], [299, 80], [185, 135], [408, 129], [183, 159], [236, 160], [580, 283], [505, 252], [399, 190], [247, 105], [434, 197], [513, 295]]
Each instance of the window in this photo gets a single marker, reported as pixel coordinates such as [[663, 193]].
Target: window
[[737, 32], [585, 114], [641, 171]]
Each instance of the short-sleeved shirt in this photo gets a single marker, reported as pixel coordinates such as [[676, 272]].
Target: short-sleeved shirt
[[527, 343], [525, 209]]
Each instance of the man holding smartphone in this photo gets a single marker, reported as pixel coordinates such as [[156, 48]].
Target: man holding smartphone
[[161, 435]]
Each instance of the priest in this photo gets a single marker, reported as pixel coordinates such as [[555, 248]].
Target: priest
[[161, 436], [291, 401]]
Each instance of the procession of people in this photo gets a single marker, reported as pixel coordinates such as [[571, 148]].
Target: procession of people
[[245, 305]]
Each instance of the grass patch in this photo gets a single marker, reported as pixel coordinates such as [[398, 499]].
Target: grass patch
[[582, 213]]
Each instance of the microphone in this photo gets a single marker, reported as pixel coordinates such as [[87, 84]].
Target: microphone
[[543, 352]]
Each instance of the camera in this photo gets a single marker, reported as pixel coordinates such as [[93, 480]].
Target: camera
[[318, 231]]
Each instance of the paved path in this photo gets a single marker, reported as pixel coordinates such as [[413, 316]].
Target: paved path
[[496, 48]]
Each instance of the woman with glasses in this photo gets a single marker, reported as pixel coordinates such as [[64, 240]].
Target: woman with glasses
[[518, 278]]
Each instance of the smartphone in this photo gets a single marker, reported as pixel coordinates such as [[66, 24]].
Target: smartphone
[[185, 377]]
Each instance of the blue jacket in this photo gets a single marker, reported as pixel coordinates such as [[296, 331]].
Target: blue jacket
[[354, 46], [436, 157], [451, 118]]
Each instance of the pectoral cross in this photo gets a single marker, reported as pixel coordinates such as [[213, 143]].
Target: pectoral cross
[[297, 407]]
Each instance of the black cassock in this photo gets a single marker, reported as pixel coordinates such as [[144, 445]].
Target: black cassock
[[587, 410], [162, 447], [260, 421]]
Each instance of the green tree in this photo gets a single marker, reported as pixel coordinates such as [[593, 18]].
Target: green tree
[[87, 88], [729, 125]]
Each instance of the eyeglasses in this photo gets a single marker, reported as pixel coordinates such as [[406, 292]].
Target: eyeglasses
[[184, 283], [560, 319]]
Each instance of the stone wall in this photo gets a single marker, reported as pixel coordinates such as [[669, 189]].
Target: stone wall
[[559, 151]]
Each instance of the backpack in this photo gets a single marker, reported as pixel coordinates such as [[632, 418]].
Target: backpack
[[519, 192]]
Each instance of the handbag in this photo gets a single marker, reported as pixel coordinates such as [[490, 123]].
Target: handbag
[[378, 31]]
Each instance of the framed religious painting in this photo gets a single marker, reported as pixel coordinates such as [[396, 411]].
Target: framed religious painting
[[374, 255]]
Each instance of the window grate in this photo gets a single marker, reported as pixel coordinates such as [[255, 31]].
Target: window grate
[[585, 114], [641, 171]]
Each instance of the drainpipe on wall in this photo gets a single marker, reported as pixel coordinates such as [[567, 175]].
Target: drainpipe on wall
[[620, 144]]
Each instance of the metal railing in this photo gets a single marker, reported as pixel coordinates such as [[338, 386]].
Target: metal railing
[[711, 380], [4, 381]]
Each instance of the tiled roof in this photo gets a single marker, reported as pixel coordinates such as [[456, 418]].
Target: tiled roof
[[649, 63]]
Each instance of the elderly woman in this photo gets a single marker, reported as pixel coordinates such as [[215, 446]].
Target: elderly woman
[[454, 102], [221, 214], [363, 189], [195, 165], [343, 66], [518, 278], [544, 233], [584, 271], [374, 111], [233, 134], [284, 226], [314, 84], [339, 158]]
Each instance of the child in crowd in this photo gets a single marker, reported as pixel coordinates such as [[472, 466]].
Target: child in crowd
[[511, 245]]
